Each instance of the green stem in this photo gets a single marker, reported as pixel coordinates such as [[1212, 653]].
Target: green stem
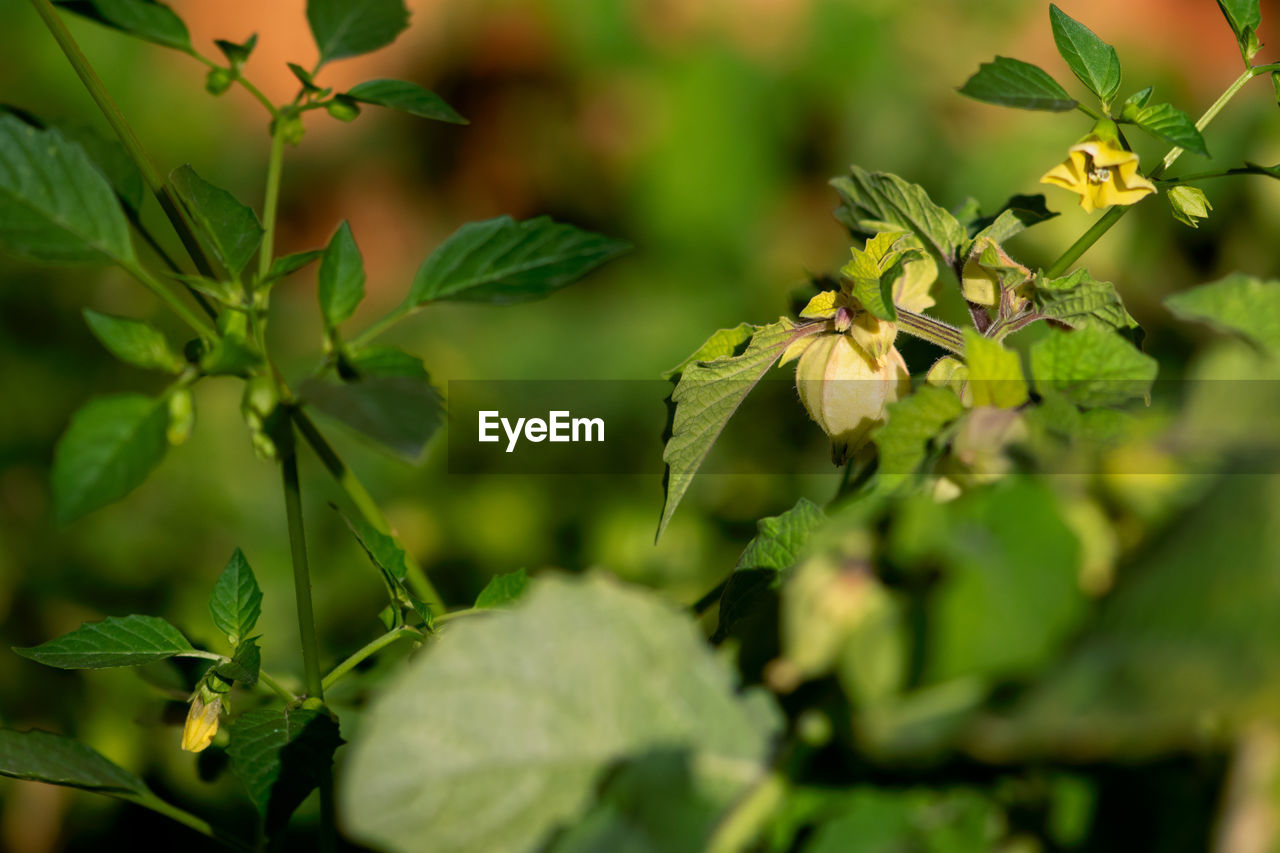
[[186, 818], [931, 329], [367, 651], [199, 324], [271, 203], [745, 821], [365, 504], [1085, 241], [396, 315], [248, 86], [276, 687], [301, 570]]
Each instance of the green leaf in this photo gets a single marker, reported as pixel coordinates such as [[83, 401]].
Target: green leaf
[[344, 28], [145, 19], [774, 549], [1245, 17], [288, 265], [113, 162], [281, 756], [1018, 214], [1238, 304], [341, 277], [394, 407], [236, 601], [1091, 59], [875, 269], [389, 558], [707, 395], [723, 343], [1092, 367], [237, 53], [501, 734], [111, 446], [407, 98], [1169, 123], [304, 77], [875, 202], [115, 641], [244, 666], [1014, 83], [134, 342], [54, 203], [43, 757], [1188, 204], [503, 590], [502, 261], [995, 373], [913, 422], [1079, 300], [230, 229]]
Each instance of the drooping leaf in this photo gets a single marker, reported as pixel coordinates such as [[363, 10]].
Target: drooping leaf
[[503, 590], [229, 228], [1244, 16], [115, 641], [281, 756], [236, 601], [1090, 58], [1014, 83], [1169, 123], [708, 394], [1239, 304], [584, 674], [344, 28], [995, 373], [146, 19], [874, 202], [54, 203], [502, 261], [111, 446], [134, 342], [57, 760], [1079, 300], [407, 98], [341, 277], [913, 422], [1092, 367]]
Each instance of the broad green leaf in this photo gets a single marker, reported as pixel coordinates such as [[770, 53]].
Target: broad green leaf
[[57, 760], [1245, 17], [1079, 300], [407, 98], [1169, 123], [875, 269], [344, 28], [774, 549], [502, 261], [503, 590], [384, 361], [1018, 214], [146, 19], [503, 732], [1014, 83], [875, 202], [281, 756], [111, 446], [723, 343], [1092, 367], [707, 395], [288, 265], [236, 601], [115, 641], [396, 409], [995, 373], [341, 277], [229, 228], [913, 422], [1239, 304], [113, 162], [389, 558], [134, 342], [55, 205], [244, 666], [1090, 58]]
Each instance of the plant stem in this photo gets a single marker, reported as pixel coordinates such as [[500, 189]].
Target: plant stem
[[365, 504], [1085, 241], [301, 571], [396, 315], [933, 330], [367, 651], [186, 818], [270, 203], [199, 324]]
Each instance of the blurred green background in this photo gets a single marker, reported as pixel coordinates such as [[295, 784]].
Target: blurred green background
[[703, 131]]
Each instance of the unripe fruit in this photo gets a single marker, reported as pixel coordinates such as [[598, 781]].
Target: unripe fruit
[[845, 391], [343, 109], [218, 81], [182, 416]]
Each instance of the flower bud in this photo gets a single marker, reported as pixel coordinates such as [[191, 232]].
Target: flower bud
[[343, 109], [202, 721], [218, 81], [289, 126], [845, 391], [1189, 205], [182, 416]]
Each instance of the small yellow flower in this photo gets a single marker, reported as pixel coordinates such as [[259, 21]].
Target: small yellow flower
[[1101, 171], [202, 721]]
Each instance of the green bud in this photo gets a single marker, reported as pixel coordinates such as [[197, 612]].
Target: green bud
[[845, 390], [289, 126], [259, 407], [343, 109], [182, 416], [1189, 205], [218, 81]]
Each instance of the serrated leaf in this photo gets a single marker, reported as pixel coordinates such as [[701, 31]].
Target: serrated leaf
[[503, 261], [344, 28], [110, 447], [707, 395], [57, 760], [1169, 123], [236, 601], [281, 756], [1079, 300], [913, 422], [407, 98], [288, 265], [341, 277], [54, 203], [1244, 16], [1090, 58], [995, 373], [229, 228], [874, 202], [583, 674], [244, 666], [1013, 83], [115, 641], [723, 342], [1092, 367], [134, 342], [874, 270], [1239, 304], [146, 19], [503, 590]]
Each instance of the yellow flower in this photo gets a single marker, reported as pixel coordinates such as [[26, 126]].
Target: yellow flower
[[202, 721], [1101, 171]]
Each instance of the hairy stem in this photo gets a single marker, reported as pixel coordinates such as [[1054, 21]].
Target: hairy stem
[[367, 651], [933, 330]]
